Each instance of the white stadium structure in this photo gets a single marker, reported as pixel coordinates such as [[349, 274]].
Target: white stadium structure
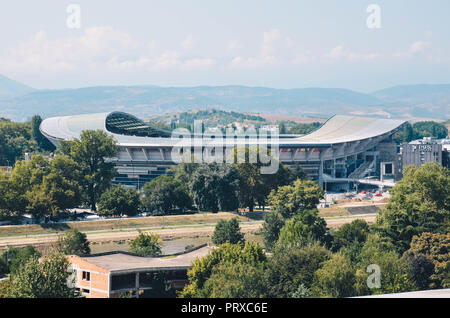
[[344, 150]]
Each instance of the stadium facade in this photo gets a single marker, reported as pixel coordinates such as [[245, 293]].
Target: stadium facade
[[345, 150]]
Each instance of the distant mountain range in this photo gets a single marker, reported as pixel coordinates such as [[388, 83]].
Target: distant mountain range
[[20, 102]]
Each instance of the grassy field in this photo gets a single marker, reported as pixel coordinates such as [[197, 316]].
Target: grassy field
[[118, 224], [169, 227]]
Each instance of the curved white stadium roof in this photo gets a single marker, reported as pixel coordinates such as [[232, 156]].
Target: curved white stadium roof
[[338, 129]]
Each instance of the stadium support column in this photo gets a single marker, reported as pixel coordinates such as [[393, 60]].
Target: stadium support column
[[321, 181]]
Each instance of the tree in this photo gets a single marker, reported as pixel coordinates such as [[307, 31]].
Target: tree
[[291, 200], [40, 139], [396, 272], [25, 190], [43, 279], [12, 259], [289, 268], [350, 233], [73, 242], [404, 135], [166, 193], [41, 187], [119, 201], [5, 289], [336, 278], [301, 292], [239, 280], [254, 186], [434, 248], [273, 223], [420, 202], [15, 140], [214, 187], [60, 185], [202, 269], [429, 129], [288, 174], [303, 229], [146, 245], [228, 232], [91, 152], [304, 128]]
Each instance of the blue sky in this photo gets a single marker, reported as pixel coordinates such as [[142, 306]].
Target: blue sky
[[282, 44]]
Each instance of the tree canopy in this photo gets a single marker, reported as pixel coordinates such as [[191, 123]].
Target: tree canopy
[[420, 202], [146, 244], [91, 152], [45, 278], [73, 242], [166, 193], [228, 231], [119, 201]]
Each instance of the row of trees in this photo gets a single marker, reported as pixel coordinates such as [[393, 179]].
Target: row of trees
[[44, 187], [216, 187], [419, 130], [409, 247], [16, 139]]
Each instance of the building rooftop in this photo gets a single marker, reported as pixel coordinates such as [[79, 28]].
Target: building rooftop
[[341, 128], [122, 261], [435, 293]]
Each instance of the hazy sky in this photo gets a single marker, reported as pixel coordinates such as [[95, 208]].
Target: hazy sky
[[283, 44]]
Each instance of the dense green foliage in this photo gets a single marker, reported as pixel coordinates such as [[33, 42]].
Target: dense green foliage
[[229, 256], [119, 201], [44, 187], [294, 218], [301, 129], [420, 202], [273, 223], [350, 234], [165, 194], [292, 199], [45, 278], [227, 231], [430, 254], [421, 129], [146, 245], [288, 268], [40, 187], [16, 139], [213, 187], [303, 229], [40, 139], [12, 259], [90, 152], [73, 242]]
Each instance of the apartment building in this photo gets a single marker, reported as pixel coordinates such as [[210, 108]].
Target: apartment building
[[114, 274]]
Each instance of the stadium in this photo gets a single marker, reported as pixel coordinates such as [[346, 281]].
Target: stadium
[[344, 151]]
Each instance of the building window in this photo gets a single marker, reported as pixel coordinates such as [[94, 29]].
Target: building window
[[86, 276], [85, 291]]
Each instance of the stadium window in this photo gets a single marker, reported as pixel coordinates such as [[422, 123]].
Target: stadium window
[[86, 276]]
